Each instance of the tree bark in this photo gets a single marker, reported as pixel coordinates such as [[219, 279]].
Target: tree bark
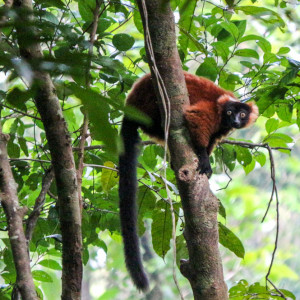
[[38, 205], [14, 215], [200, 206], [60, 146]]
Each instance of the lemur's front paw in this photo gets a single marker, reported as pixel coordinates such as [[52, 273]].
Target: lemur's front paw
[[205, 168]]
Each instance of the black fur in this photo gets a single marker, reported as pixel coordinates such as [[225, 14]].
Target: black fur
[[128, 210]]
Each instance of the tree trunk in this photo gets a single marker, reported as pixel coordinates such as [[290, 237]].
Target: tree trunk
[[60, 146], [200, 206], [14, 215]]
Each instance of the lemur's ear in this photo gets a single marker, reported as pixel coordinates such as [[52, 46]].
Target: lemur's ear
[[253, 114], [225, 98]]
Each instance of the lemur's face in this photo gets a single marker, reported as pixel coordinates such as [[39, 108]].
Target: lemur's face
[[236, 114]]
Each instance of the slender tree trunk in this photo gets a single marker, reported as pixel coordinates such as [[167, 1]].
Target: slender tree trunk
[[61, 154], [14, 215], [204, 267]]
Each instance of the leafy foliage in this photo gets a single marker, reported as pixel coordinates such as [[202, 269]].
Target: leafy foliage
[[237, 46]]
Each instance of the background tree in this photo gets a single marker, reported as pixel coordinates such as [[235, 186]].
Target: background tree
[[249, 47]]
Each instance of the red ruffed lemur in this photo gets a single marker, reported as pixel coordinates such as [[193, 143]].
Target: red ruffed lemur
[[211, 115]]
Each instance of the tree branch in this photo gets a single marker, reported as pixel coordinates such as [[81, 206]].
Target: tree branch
[[14, 215], [62, 158], [20, 112], [200, 206], [253, 145], [39, 202]]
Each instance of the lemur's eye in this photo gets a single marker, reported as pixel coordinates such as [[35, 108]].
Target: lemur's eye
[[229, 112], [243, 115]]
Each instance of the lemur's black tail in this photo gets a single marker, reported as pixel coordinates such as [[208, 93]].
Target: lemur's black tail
[[128, 210]]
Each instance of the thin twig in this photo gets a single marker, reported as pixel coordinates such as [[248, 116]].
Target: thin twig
[[84, 131], [274, 191], [278, 291], [98, 16], [20, 112], [120, 25], [30, 159], [253, 145]]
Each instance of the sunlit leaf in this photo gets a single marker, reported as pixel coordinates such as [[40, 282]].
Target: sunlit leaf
[[42, 276], [231, 28], [208, 69], [230, 241], [262, 13], [272, 125], [260, 158], [247, 53], [146, 205], [109, 178], [123, 41], [51, 264], [161, 229], [221, 49]]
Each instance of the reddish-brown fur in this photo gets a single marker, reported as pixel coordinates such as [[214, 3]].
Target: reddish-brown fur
[[212, 113], [203, 115]]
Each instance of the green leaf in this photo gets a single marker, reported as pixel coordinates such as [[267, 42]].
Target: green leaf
[[287, 293], [181, 249], [257, 288], [260, 158], [247, 53], [229, 156], [221, 49], [229, 81], [231, 28], [161, 228], [263, 43], [190, 37], [18, 98], [23, 145], [284, 112], [283, 50], [149, 156], [104, 23], [272, 125], [112, 293], [187, 10], [241, 26], [138, 21], [259, 12], [286, 138], [51, 264], [13, 150], [270, 58], [230, 241], [123, 41], [250, 167], [136, 115], [208, 69], [278, 140], [243, 155], [239, 290], [222, 210], [42, 276], [298, 114], [109, 178], [86, 9], [98, 111], [270, 96], [146, 203], [51, 3]]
